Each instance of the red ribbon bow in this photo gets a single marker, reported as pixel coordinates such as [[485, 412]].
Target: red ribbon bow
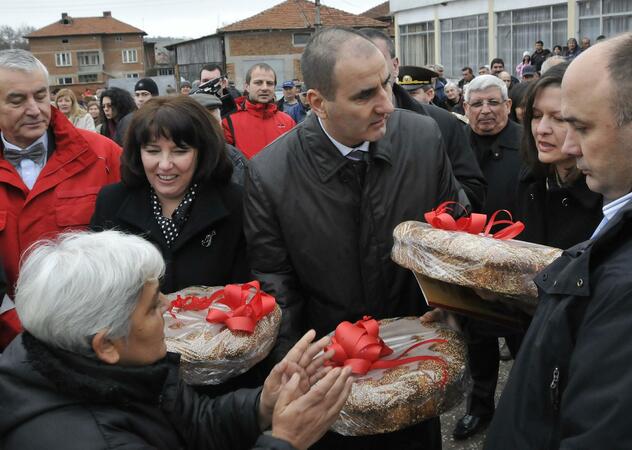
[[189, 303], [475, 223], [359, 345], [243, 315]]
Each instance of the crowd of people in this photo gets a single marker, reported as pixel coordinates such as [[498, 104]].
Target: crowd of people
[[213, 186]]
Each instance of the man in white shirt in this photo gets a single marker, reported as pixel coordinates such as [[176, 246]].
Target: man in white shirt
[[571, 385], [50, 171]]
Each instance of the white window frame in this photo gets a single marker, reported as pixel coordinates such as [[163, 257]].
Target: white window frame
[[64, 80], [63, 59], [132, 75], [91, 57], [299, 44], [129, 56]]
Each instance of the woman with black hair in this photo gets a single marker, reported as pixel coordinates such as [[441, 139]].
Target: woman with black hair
[[553, 200], [116, 104], [517, 96], [176, 193]]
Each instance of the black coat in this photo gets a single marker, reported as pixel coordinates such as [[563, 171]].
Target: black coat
[[464, 164], [320, 242], [54, 400], [211, 248], [571, 385], [558, 216], [500, 162]]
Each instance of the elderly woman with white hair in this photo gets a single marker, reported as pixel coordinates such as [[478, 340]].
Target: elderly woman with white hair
[[91, 370]]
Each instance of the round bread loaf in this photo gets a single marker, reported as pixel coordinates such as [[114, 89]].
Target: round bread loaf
[[210, 352], [386, 400]]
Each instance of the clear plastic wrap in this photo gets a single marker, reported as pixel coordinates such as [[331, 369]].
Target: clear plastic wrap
[[386, 400], [210, 352], [505, 268]]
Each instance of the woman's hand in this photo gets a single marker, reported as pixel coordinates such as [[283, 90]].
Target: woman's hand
[[302, 418], [299, 360]]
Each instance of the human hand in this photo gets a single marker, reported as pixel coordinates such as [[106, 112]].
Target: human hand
[[300, 359], [434, 315], [302, 418]]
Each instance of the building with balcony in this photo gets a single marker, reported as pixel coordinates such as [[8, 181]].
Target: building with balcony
[[84, 52]]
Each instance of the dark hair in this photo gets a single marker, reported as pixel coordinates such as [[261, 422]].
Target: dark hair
[[373, 34], [211, 68], [517, 95], [619, 68], [558, 46], [497, 61], [468, 68], [321, 54], [185, 122], [540, 42], [529, 150], [263, 66], [122, 104]]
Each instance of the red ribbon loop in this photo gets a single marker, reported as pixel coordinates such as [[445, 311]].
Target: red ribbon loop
[[190, 303], [441, 218], [243, 314], [359, 345]]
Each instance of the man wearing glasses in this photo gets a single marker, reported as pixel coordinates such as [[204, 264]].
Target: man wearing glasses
[[496, 142]]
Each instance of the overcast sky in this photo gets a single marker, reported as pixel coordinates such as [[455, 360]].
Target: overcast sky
[[178, 18]]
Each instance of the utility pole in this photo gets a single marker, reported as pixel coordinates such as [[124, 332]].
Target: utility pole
[[317, 23]]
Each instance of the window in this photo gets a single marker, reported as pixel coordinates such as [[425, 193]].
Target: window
[[88, 78], [300, 39], [130, 56], [64, 41], [463, 43], [88, 58], [417, 44], [119, 38], [165, 71], [64, 80], [607, 17], [131, 75], [63, 59], [518, 30]]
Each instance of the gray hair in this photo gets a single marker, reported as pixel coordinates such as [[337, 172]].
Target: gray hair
[[81, 283], [550, 62], [483, 82], [619, 68], [22, 60], [451, 85], [322, 52]]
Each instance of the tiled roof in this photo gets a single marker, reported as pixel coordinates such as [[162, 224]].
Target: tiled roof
[[85, 26], [381, 10], [300, 14]]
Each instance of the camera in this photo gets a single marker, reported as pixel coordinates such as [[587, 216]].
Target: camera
[[214, 87]]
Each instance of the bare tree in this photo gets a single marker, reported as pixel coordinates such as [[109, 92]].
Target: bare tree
[[14, 37]]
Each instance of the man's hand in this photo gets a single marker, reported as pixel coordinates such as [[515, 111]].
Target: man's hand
[[299, 360], [302, 418]]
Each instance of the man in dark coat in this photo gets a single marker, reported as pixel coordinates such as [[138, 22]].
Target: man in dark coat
[[322, 202], [539, 55], [496, 142], [571, 386], [457, 146]]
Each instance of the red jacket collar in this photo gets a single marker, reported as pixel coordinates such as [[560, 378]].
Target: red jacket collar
[[262, 110]]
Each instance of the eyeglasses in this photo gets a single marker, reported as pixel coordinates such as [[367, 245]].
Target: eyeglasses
[[491, 103]]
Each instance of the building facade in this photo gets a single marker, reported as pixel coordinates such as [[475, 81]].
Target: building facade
[[85, 52], [459, 33]]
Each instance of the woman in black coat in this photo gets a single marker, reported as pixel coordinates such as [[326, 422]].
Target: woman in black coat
[[176, 193], [117, 105], [553, 200]]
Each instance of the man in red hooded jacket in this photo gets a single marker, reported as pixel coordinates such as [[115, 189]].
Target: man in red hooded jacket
[[50, 172], [257, 121]]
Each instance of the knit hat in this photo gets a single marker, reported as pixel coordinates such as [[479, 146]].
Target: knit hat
[[147, 84]]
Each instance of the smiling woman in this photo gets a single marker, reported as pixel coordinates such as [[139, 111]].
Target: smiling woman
[[176, 192]]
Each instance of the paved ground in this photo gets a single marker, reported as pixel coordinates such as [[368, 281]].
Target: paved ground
[[448, 420]]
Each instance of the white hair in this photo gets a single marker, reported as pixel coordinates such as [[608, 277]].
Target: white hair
[[483, 82], [81, 283], [22, 60], [451, 85], [550, 62]]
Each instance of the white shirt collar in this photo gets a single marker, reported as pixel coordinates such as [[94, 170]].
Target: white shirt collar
[[343, 149], [613, 207], [43, 139]]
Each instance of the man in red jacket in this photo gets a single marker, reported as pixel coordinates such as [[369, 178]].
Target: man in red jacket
[[50, 172], [257, 121]]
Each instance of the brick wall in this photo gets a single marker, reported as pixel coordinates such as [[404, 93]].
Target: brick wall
[[113, 54], [263, 43]]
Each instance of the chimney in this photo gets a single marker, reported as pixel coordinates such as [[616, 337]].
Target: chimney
[[107, 13], [65, 19]]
